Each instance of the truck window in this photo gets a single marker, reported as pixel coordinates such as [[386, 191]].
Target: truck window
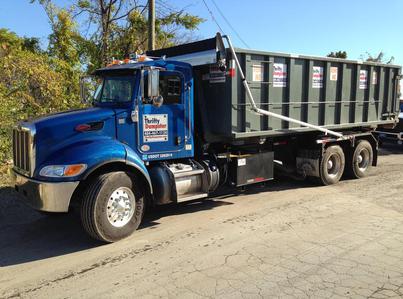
[[170, 88], [117, 89]]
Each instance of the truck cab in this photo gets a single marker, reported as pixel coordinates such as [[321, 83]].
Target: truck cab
[[153, 105], [141, 114]]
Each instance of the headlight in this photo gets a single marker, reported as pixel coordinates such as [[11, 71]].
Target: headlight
[[57, 171]]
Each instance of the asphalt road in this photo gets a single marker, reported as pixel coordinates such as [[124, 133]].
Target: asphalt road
[[288, 239]]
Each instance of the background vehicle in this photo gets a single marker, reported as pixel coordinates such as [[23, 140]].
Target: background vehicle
[[394, 134], [178, 124]]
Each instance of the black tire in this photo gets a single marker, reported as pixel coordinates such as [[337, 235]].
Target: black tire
[[360, 162], [94, 207], [331, 166]]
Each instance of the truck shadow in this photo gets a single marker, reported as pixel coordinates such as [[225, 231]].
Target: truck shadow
[[27, 235], [390, 148], [218, 199]]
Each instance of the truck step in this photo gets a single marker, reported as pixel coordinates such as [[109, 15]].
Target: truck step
[[191, 196]]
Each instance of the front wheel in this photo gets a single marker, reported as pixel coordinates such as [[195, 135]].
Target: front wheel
[[112, 207]]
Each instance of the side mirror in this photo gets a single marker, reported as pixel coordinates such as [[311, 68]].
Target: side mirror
[[89, 88], [83, 91], [153, 83]]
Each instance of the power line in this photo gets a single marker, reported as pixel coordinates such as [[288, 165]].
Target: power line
[[229, 24], [212, 17]]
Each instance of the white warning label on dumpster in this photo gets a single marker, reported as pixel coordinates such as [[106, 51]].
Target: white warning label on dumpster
[[363, 79], [257, 73], [333, 73], [155, 127], [374, 78], [279, 75], [317, 77]]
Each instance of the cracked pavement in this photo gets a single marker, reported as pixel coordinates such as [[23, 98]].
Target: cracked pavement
[[285, 239]]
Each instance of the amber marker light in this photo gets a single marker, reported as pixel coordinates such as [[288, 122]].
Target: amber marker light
[[73, 170]]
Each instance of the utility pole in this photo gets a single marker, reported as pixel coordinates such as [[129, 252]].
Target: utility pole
[[151, 24]]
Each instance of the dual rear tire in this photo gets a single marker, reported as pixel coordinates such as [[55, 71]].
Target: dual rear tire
[[331, 166], [361, 160], [356, 164]]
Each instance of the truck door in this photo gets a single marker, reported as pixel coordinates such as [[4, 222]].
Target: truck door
[[161, 130]]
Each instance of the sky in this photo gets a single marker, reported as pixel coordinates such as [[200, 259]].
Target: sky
[[312, 27]]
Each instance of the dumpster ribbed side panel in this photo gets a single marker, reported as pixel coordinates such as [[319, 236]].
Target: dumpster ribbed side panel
[[335, 93]]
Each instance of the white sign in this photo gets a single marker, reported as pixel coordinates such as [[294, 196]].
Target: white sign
[[363, 79], [242, 162], [317, 77], [155, 127], [257, 71], [333, 73], [216, 75], [279, 75], [374, 78]]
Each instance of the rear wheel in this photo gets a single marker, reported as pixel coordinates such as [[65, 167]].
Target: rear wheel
[[112, 207], [331, 166], [360, 162]]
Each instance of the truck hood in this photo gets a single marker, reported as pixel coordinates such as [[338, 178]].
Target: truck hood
[[56, 131]]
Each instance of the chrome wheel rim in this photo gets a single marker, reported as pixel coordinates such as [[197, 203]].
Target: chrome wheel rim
[[333, 165], [363, 159], [120, 207]]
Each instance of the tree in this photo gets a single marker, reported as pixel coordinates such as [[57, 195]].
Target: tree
[[63, 39], [104, 14], [31, 44], [10, 41], [115, 28], [122, 25], [133, 36], [32, 83], [338, 54]]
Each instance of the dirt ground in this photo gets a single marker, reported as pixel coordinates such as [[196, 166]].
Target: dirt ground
[[288, 239]]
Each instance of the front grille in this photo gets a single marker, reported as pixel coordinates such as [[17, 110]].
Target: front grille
[[22, 149]]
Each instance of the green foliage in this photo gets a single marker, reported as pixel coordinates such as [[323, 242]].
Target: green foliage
[[31, 44], [122, 27], [8, 40], [63, 39], [31, 84], [338, 54]]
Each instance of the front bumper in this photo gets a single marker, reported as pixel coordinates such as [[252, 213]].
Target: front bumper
[[44, 196]]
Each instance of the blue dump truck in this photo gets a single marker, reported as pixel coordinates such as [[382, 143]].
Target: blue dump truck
[[178, 124]]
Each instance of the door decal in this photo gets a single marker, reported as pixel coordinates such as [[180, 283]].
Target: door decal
[[155, 128]]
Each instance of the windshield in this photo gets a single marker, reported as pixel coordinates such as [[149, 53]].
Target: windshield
[[116, 89]]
